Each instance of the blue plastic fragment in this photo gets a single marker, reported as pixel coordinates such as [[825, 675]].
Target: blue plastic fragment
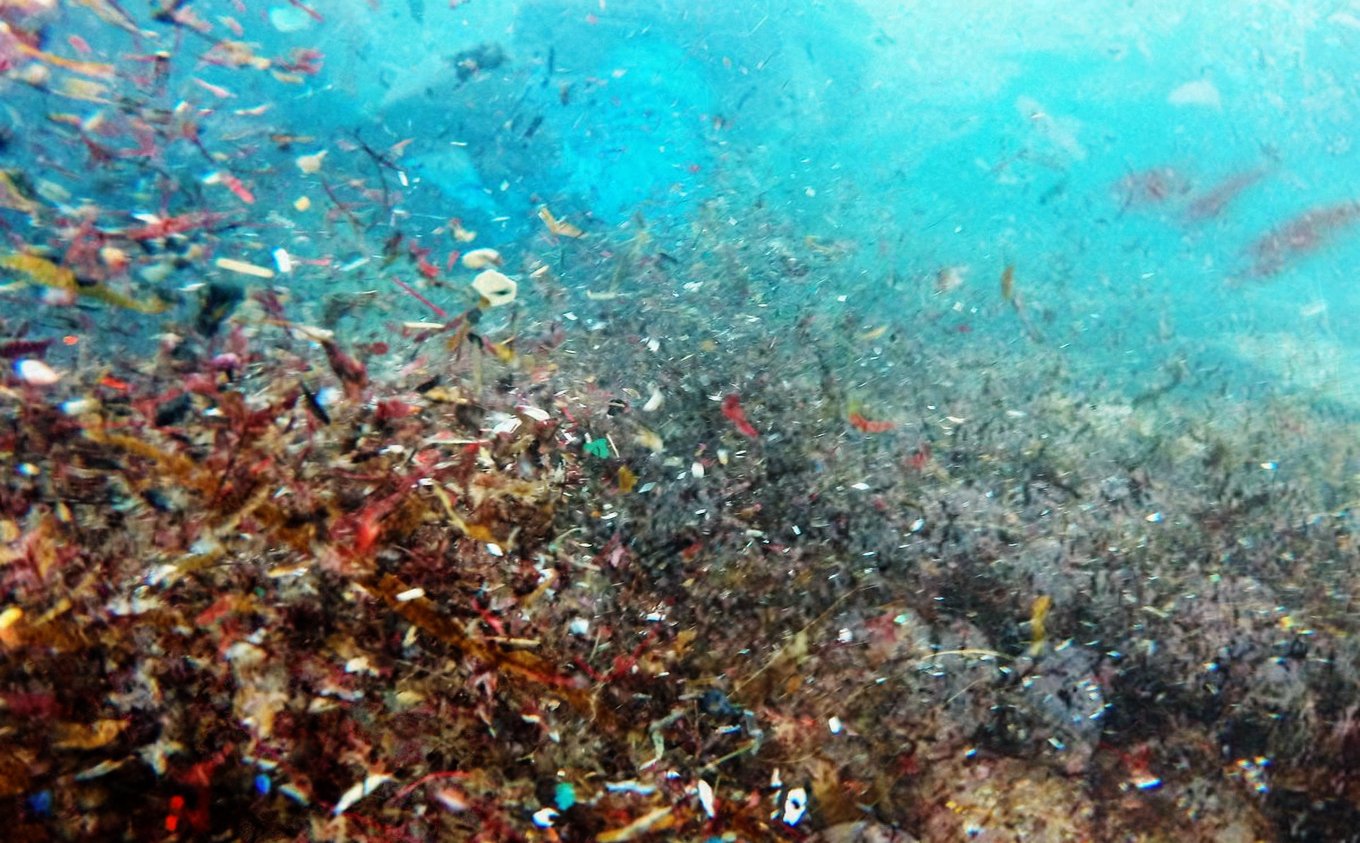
[[40, 803], [262, 784], [565, 796]]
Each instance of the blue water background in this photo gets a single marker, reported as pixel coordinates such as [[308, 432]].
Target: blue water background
[[909, 137]]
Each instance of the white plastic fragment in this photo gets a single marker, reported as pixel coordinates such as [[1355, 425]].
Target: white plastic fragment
[[706, 798], [535, 413], [494, 549], [283, 260], [654, 402], [543, 817], [79, 406], [36, 372], [482, 258], [578, 627], [630, 786], [360, 664], [1198, 92], [496, 287], [795, 806], [360, 790], [860, 487], [835, 725]]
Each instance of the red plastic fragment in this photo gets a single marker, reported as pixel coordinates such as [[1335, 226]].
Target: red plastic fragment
[[731, 408], [868, 425]]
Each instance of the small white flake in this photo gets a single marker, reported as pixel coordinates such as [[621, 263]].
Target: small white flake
[[410, 594], [845, 636], [835, 725], [543, 817], [359, 791], [283, 260], [706, 798], [535, 413], [860, 487], [579, 627], [697, 469], [1154, 518], [79, 406], [795, 806], [494, 549]]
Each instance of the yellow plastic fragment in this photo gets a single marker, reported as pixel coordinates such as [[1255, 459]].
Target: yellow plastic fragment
[[1038, 613], [558, 226], [649, 440], [86, 68], [244, 268], [42, 271], [311, 163], [12, 197], [655, 820], [84, 90], [86, 735]]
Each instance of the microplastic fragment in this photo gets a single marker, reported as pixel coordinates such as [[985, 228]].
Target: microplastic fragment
[[795, 806], [543, 817], [36, 372], [244, 268], [706, 798], [359, 791]]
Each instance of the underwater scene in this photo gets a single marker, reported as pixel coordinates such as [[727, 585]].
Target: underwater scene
[[842, 421]]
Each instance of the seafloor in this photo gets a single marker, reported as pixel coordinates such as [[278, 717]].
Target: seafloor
[[686, 537], [502, 597]]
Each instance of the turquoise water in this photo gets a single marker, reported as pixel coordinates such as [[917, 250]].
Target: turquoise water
[[900, 318], [986, 137]]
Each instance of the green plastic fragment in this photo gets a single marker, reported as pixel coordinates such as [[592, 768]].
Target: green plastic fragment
[[598, 447]]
